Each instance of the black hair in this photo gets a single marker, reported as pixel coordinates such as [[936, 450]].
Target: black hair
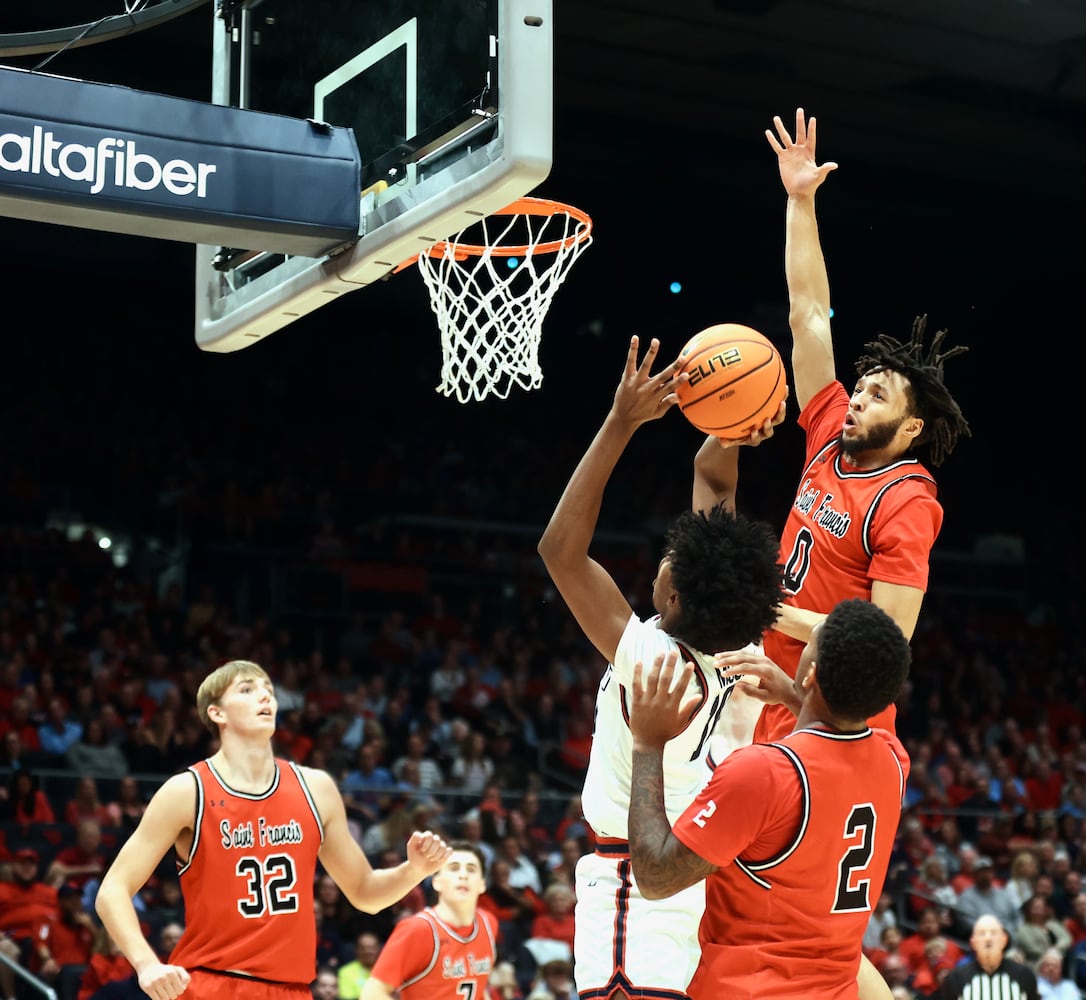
[[467, 845], [725, 570], [930, 399], [862, 659]]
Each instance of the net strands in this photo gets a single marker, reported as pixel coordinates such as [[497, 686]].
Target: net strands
[[490, 315]]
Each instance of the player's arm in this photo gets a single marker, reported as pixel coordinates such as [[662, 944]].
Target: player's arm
[[171, 811], [368, 889], [870, 982], [900, 602], [374, 989], [592, 596], [716, 466], [662, 864], [804, 264]]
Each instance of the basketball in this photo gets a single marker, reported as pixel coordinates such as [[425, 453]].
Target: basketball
[[737, 379]]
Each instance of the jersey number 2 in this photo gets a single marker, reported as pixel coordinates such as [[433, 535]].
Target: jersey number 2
[[853, 894], [269, 885]]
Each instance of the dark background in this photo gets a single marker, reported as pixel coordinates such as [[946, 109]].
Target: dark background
[[959, 133]]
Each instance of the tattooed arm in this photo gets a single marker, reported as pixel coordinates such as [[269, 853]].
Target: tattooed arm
[[661, 864]]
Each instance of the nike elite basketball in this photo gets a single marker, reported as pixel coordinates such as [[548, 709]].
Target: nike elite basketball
[[737, 379]]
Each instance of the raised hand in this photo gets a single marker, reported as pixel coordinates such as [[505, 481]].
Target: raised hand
[[660, 705], [800, 173], [427, 852], [641, 396]]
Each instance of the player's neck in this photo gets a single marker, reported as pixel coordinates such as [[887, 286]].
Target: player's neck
[[455, 916], [873, 459], [248, 767]]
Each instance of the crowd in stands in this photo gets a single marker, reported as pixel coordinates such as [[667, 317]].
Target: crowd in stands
[[439, 721], [451, 692]]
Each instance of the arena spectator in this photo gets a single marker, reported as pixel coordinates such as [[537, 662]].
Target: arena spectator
[[514, 907], [352, 976], [62, 943], [1051, 982], [523, 873], [58, 734], [1039, 931], [1044, 787], [895, 970], [93, 755], [1023, 877], [126, 810], [26, 803], [84, 860], [26, 901], [472, 767], [924, 964], [882, 916], [332, 949], [430, 773], [109, 975], [556, 920], [964, 877], [325, 986], [367, 787], [932, 886], [985, 896], [471, 830], [86, 804], [17, 720], [167, 938]]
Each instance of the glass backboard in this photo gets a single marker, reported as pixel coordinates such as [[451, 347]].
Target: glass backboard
[[451, 106]]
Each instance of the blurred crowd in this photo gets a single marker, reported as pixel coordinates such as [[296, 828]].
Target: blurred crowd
[[423, 661]]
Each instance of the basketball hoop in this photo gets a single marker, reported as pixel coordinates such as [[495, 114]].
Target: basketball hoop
[[491, 286]]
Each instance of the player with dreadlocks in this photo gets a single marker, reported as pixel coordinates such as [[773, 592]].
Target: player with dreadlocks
[[866, 512]]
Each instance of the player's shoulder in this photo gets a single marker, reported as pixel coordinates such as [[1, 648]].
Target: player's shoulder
[[412, 926]]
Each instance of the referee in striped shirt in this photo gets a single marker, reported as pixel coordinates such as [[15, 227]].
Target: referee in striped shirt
[[988, 975]]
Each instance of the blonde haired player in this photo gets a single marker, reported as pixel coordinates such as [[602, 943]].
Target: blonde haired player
[[248, 829]]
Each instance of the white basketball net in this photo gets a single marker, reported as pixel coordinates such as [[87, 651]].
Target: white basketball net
[[490, 306]]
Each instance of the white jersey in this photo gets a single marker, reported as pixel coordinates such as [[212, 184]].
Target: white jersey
[[623, 942], [606, 795]]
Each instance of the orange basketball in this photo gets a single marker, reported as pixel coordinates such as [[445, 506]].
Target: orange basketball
[[737, 379]]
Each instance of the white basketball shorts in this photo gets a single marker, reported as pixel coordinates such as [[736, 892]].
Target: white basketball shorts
[[641, 947]]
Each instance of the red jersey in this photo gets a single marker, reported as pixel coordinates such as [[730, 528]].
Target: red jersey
[[846, 528], [102, 970], [68, 943], [248, 881], [801, 832], [428, 959], [22, 907]]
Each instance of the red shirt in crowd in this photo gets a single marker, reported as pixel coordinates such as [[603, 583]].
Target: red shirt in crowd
[[102, 969], [23, 907]]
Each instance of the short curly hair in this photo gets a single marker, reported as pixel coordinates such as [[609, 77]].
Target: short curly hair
[[929, 398], [725, 570], [862, 659]]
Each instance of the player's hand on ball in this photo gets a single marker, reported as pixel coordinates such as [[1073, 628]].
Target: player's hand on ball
[[427, 852], [660, 706], [763, 432], [163, 982]]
